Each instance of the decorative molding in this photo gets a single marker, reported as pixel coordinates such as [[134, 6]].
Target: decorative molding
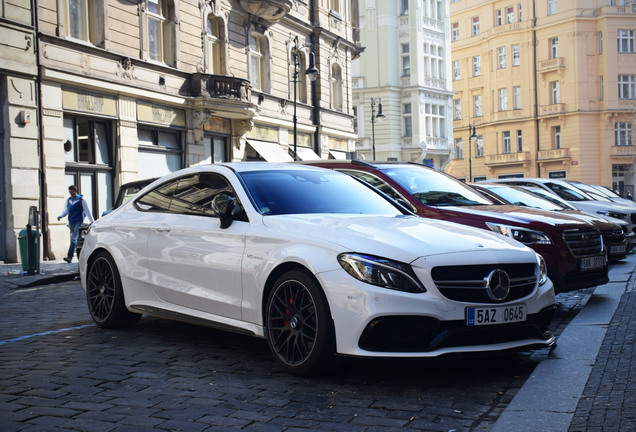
[[52, 112]]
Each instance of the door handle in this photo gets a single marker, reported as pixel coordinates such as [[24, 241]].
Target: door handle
[[163, 228]]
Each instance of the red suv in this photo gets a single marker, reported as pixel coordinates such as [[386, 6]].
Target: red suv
[[572, 248]]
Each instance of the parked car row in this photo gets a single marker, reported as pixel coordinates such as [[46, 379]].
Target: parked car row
[[322, 265]]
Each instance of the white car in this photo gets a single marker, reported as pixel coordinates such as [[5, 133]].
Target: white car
[[317, 263]]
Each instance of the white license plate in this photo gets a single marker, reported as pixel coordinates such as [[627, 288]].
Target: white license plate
[[479, 316], [620, 249], [592, 263]]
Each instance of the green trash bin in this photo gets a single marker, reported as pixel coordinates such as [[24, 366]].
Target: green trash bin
[[22, 242]]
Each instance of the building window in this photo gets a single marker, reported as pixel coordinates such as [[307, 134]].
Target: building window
[[335, 6], [506, 142], [455, 31], [433, 61], [516, 98], [602, 89], [501, 57], [404, 7], [476, 66], [498, 20], [519, 10], [625, 41], [459, 150], [503, 99], [336, 87], [552, 7], [257, 54], [519, 141], [475, 26], [435, 117], [516, 55], [600, 42], [158, 39], [407, 120], [554, 48], [623, 134], [159, 152], [213, 41], [406, 60], [477, 106], [457, 109], [479, 146], [456, 71], [510, 15], [626, 87], [84, 20], [556, 137], [554, 87], [301, 78]]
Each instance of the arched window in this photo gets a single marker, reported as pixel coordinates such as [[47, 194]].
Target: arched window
[[214, 46], [336, 87]]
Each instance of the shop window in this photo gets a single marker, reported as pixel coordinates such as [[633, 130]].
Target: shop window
[[160, 152]]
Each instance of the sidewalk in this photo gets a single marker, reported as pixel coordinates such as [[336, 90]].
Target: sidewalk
[[50, 272]]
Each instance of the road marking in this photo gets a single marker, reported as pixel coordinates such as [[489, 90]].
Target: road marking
[[44, 334]]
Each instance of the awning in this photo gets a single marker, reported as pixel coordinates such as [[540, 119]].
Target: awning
[[306, 154], [338, 154], [270, 151]]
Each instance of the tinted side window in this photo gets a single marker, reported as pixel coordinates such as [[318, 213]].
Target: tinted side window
[[194, 194], [159, 198]]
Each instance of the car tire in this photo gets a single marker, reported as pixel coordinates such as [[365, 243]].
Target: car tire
[[105, 296], [300, 331]]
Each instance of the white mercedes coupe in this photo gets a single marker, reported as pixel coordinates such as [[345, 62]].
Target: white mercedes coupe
[[317, 263]]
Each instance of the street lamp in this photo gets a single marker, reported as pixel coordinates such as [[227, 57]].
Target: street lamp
[[380, 116], [312, 72], [472, 130]]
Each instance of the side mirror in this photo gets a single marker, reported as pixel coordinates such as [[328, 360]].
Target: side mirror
[[223, 207]]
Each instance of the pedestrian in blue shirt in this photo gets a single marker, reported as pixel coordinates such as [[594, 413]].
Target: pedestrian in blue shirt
[[76, 209]]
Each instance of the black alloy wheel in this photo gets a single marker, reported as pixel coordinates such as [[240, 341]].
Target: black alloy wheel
[[300, 331], [105, 296]]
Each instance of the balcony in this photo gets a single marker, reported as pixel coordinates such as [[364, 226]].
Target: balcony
[[508, 158], [269, 10], [551, 65], [554, 155], [227, 96], [623, 151], [551, 110]]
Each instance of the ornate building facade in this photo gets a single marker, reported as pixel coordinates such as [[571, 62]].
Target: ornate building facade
[[134, 90], [545, 89], [405, 67]]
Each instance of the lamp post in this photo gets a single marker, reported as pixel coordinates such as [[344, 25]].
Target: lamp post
[[312, 72], [472, 130], [380, 116]]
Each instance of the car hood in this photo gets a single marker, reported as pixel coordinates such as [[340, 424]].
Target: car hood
[[404, 238], [516, 215], [596, 206]]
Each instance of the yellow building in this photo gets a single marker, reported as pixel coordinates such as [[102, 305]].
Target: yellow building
[[549, 86]]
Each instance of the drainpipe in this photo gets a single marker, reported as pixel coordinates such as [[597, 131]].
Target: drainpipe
[[42, 173], [536, 83]]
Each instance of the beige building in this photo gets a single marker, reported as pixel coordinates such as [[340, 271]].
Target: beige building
[[134, 90], [549, 87]]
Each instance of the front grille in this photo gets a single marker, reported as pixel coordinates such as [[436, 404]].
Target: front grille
[[468, 283], [613, 235], [583, 242]]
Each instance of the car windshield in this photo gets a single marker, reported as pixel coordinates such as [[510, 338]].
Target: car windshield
[[522, 198], [434, 188], [568, 193], [279, 192], [551, 197], [591, 191]]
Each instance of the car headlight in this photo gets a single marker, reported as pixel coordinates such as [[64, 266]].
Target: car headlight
[[523, 235], [614, 214], [543, 270], [381, 272]]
